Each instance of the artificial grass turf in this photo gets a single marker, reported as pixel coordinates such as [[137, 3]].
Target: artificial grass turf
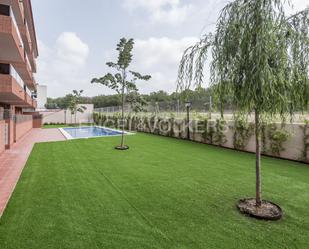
[[53, 126], [161, 193]]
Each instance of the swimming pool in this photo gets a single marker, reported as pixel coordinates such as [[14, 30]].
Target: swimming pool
[[89, 131]]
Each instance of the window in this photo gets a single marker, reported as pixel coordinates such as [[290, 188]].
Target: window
[[4, 68], [4, 10]]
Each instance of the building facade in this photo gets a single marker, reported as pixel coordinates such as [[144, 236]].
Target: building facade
[[18, 53], [41, 97]]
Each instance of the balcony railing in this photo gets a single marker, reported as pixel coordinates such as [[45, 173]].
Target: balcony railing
[[27, 31], [20, 81], [28, 61], [28, 91], [16, 27], [7, 114], [17, 118], [20, 118], [22, 10], [16, 76]]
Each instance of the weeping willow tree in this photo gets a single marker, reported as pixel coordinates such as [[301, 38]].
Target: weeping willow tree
[[260, 60]]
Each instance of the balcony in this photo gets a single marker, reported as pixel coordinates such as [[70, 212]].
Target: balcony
[[13, 90], [34, 103], [18, 9], [33, 62], [25, 71], [26, 37], [10, 39], [24, 29], [31, 83], [28, 99]]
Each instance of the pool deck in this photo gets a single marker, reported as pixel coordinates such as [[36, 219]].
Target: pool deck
[[13, 161]]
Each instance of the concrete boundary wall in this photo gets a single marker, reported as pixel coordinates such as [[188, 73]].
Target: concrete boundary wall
[[292, 149], [65, 116]]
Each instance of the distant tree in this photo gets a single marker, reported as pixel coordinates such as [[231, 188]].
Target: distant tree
[[199, 96], [51, 104], [119, 81], [137, 102], [261, 60], [106, 100], [159, 96], [63, 102]]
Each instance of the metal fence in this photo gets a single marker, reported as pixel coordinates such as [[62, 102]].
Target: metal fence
[[162, 107], [198, 110], [167, 108], [5, 114], [18, 118], [113, 109]]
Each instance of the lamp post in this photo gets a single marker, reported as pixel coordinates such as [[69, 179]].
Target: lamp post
[[188, 106]]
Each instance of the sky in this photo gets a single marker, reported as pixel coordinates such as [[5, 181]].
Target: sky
[[76, 38]]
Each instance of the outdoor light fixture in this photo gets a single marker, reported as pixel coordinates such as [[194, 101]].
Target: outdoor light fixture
[[188, 105]]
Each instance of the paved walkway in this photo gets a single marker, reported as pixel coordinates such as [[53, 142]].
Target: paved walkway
[[13, 161]]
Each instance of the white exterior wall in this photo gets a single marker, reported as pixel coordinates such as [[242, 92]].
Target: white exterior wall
[[41, 96], [293, 147], [65, 117]]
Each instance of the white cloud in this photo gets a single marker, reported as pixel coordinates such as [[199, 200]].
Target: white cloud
[[160, 58], [64, 64], [295, 6], [61, 66], [70, 49], [164, 52], [149, 4], [162, 11]]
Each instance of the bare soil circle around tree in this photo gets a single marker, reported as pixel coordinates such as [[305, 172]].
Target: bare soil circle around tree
[[125, 147], [266, 211]]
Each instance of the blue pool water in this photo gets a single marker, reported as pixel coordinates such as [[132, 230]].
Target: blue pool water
[[85, 132]]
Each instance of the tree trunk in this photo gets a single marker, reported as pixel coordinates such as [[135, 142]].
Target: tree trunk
[[75, 120], [122, 109], [258, 159], [188, 122], [210, 106], [222, 109]]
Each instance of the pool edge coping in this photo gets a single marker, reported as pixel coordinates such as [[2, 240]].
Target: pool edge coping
[[69, 137]]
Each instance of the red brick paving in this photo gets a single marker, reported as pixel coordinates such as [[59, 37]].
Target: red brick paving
[[13, 161]]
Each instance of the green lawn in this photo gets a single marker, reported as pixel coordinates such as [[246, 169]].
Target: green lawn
[[52, 126], [162, 193]]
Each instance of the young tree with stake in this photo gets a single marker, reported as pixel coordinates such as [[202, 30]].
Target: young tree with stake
[[119, 81]]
